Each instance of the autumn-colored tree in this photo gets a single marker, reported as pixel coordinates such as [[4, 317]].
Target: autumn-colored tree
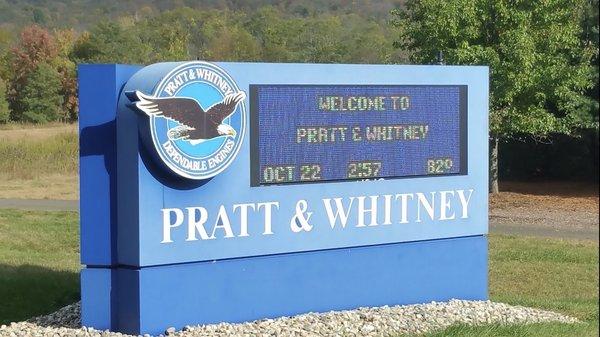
[[36, 45]]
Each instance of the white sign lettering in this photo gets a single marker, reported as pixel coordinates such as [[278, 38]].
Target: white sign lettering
[[342, 213]]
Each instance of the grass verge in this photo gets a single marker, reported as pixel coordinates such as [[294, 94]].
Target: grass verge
[[55, 186], [39, 264], [557, 275], [15, 126]]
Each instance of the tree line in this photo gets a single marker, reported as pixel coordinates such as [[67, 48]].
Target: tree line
[[38, 67], [542, 54], [83, 14]]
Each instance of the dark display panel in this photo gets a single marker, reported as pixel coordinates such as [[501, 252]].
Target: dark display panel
[[320, 133]]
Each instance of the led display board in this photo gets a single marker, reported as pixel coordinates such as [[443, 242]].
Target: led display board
[[319, 133]]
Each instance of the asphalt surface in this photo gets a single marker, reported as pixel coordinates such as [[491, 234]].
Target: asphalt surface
[[559, 233], [41, 204], [496, 227]]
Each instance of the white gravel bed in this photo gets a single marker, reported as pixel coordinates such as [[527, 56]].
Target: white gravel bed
[[379, 321]]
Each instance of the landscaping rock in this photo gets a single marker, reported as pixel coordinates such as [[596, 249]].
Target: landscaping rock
[[379, 321]]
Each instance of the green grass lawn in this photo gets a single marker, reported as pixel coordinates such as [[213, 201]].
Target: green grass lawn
[[557, 275], [39, 264]]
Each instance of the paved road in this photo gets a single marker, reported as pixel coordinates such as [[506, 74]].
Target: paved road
[[495, 226], [41, 204], [560, 233]]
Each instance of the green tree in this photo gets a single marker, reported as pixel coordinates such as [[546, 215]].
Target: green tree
[[42, 98], [324, 38], [219, 35], [272, 32], [65, 40], [368, 41], [109, 42], [4, 111], [590, 38], [319, 40], [39, 17], [539, 68], [168, 34], [5, 42]]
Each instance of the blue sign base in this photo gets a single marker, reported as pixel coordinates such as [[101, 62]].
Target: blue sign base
[[150, 299]]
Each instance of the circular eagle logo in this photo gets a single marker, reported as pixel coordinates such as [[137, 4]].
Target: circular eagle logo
[[197, 119]]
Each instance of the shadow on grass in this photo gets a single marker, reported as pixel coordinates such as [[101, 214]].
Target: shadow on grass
[[27, 291]]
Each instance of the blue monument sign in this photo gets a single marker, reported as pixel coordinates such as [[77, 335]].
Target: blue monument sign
[[229, 192]]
